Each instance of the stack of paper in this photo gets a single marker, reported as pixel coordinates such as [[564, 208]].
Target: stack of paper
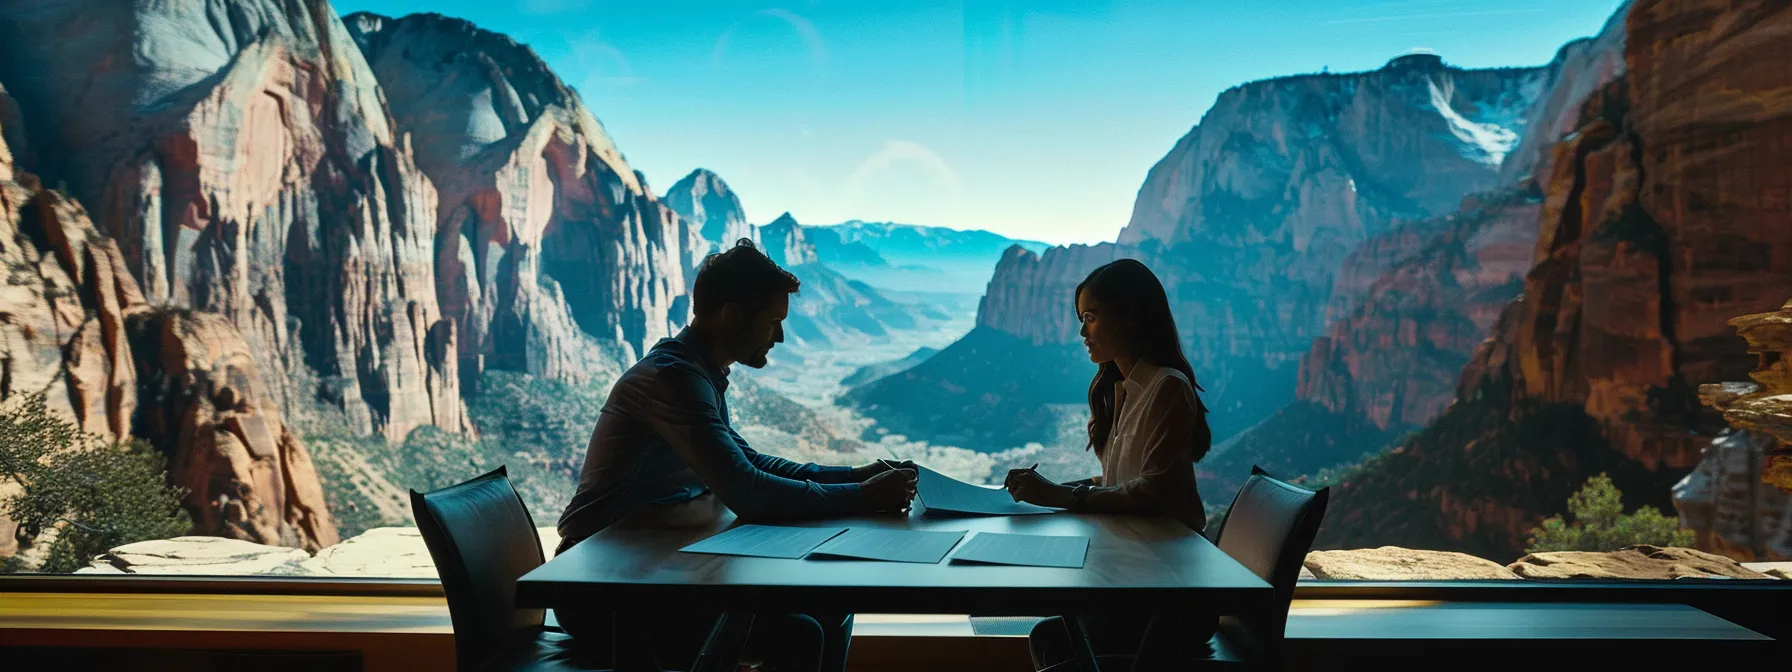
[[890, 545], [1030, 550], [765, 541], [943, 494], [791, 543]]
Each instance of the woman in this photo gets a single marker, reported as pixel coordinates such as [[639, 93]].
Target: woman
[[1147, 425]]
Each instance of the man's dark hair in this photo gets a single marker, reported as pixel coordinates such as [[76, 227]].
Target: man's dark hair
[[742, 274]]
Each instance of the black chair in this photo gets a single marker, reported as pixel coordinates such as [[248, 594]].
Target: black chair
[[1269, 529], [482, 540]]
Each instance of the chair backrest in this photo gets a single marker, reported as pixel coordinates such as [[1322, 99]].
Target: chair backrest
[[1269, 530], [482, 540]]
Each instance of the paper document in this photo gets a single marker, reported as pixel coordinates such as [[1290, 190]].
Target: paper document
[[765, 541], [890, 545], [944, 494], [1030, 550]]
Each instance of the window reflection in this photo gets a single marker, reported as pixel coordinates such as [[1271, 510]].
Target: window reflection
[[1508, 279]]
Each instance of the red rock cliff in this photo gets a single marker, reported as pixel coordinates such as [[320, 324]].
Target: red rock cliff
[[551, 253], [75, 326], [241, 155], [1393, 358], [1249, 217], [1664, 216], [1410, 306], [707, 201]]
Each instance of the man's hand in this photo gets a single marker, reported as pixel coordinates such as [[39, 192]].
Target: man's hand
[[889, 491], [1026, 485], [863, 473]]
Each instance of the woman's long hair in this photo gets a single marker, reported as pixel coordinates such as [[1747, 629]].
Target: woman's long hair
[[1132, 295]]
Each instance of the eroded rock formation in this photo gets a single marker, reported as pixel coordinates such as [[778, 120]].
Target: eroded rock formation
[[1725, 502], [1392, 358], [75, 326], [241, 155], [63, 308], [704, 199], [1764, 406], [552, 255], [207, 405], [1392, 563], [783, 240], [1250, 215], [1579, 68], [1661, 221], [1739, 499], [1409, 306], [831, 310], [1636, 562], [993, 389]]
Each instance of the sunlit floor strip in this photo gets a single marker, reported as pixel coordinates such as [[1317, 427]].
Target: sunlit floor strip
[[912, 625]]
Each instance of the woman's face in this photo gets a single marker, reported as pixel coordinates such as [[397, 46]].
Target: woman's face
[[1101, 331]]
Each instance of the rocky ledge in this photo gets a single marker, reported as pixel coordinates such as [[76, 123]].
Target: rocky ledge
[[1765, 405], [1392, 563], [384, 552], [1635, 562], [399, 552]]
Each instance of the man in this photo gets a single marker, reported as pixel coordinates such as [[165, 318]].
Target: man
[[664, 436]]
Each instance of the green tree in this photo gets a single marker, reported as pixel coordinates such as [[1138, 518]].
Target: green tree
[[91, 493], [1600, 523]]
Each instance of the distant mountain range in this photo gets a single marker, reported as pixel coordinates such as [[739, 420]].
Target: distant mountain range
[[1493, 283], [909, 258], [832, 309], [1247, 221]]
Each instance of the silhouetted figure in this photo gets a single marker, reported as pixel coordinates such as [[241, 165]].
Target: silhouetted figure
[[664, 436], [1146, 423]]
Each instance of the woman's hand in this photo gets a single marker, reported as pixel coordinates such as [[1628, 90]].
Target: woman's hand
[[1026, 485]]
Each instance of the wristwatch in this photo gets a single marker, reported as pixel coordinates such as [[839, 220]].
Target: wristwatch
[[1081, 492]]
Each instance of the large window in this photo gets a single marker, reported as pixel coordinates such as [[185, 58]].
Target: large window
[[1472, 265]]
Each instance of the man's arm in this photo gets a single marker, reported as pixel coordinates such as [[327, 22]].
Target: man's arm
[[779, 466], [682, 408]]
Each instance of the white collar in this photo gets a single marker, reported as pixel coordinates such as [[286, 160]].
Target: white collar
[[1143, 373]]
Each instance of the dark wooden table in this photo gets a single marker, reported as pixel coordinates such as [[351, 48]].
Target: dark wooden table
[[1135, 565]]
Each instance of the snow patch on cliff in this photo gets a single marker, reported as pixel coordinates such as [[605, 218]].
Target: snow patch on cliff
[[1486, 143]]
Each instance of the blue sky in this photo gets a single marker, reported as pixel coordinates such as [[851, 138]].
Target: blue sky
[[1036, 120]]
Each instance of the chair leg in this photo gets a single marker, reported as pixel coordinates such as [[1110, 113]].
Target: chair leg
[[1080, 649], [722, 650]]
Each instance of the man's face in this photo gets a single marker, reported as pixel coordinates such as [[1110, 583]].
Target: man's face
[[759, 332]]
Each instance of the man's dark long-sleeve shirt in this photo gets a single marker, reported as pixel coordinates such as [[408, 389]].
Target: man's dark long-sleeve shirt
[[664, 436]]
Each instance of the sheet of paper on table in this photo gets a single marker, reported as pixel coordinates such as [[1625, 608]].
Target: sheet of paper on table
[[1029, 550], [890, 545], [765, 541], [943, 494]]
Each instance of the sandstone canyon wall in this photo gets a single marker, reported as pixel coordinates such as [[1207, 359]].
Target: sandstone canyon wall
[[550, 250], [1249, 217], [1664, 216], [241, 155], [1410, 305], [76, 327], [706, 201], [830, 310]]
